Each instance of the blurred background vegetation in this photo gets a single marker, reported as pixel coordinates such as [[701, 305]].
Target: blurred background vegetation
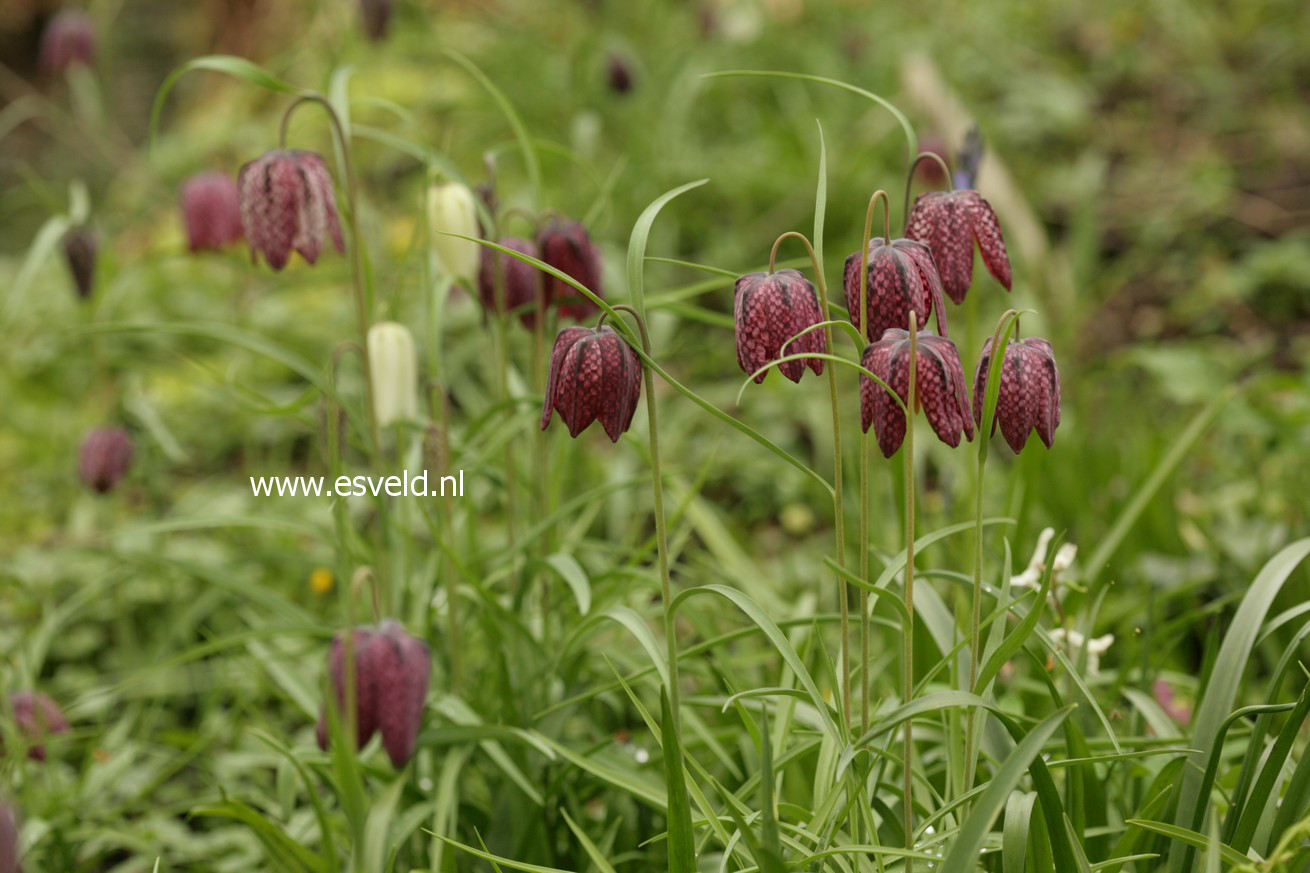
[[1150, 162]]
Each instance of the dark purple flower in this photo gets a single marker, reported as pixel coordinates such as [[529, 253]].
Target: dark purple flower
[[287, 203], [565, 245], [391, 683], [939, 388], [210, 211], [619, 73], [522, 281], [377, 15], [1029, 396], [769, 310], [8, 839], [594, 374], [902, 277], [37, 716], [106, 455], [80, 249], [68, 39], [403, 666], [949, 222]]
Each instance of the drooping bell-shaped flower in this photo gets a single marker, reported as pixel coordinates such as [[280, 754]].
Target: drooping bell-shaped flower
[[939, 387], [211, 211], [68, 39], [403, 667], [1029, 396], [9, 844], [81, 248], [391, 683], [377, 16], [902, 278], [949, 222], [105, 457], [619, 74], [37, 717], [287, 203], [393, 372], [522, 282], [769, 309], [565, 245], [594, 375], [452, 210]]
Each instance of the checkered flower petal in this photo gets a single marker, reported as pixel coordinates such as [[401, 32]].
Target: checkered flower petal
[[402, 667], [949, 222], [287, 203], [593, 375], [770, 309], [565, 245], [1029, 395], [211, 212], [901, 279], [939, 387], [365, 686]]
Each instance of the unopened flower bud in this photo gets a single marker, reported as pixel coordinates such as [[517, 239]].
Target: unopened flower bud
[[619, 72], [68, 39], [451, 210], [393, 372], [80, 250], [105, 457], [376, 15]]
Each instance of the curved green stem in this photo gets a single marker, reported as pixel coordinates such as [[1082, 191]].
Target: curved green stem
[[909, 177], [839, 518], [356, 244], [908, 690]]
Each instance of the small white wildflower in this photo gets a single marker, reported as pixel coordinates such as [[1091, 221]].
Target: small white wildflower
[[1032, 576], [1072, 642], [1063, 559]]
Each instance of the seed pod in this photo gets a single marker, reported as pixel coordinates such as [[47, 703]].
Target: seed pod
[[37, 717], [939, 388], [377, 16], [949, 222], [522, 281], [9, 843], [365, 687], [402, 667], [68, 39], [902, 277], [287, 203], [565, 245], [451, 210], [1029, 396], [80, 249], [393, 372], [211, 212], [594, 375], [105, 457], [770, 309]]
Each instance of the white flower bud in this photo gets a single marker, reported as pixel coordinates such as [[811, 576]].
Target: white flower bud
[[1072, 642], [451, 209], [393, 372], [1032, 576], [1063, 559]]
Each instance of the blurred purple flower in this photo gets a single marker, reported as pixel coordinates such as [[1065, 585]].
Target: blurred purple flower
[[105, 457], [619, 74], [522, 281], [377, 16], [37, 716], [211, 212], [287, 203], [69, 38], [80, 252], [565, 245]]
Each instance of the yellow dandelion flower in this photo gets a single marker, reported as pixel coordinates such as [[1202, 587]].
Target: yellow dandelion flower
[[320, 580]]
